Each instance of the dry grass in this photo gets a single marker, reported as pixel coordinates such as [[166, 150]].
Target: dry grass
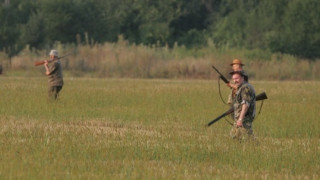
[[138, 61]]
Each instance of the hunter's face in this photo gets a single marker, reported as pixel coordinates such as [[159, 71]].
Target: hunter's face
[[237, 79], [236, 67], [52, 57]]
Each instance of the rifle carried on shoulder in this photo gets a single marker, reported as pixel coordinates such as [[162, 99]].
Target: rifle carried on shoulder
[[38, 63], [224, 79], [259, 97]]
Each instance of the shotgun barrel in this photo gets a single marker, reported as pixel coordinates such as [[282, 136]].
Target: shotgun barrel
[[224, 79], [259, 97]]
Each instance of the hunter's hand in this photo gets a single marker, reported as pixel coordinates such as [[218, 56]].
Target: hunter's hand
[[232, 86], [239, 123], [47, 68]]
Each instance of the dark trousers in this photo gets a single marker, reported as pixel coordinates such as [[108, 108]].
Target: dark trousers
[[53, 91]]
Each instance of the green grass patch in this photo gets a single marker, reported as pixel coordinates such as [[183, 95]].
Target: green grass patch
[[153, 129]]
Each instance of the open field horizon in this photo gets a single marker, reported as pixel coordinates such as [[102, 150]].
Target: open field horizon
[[154, 129]]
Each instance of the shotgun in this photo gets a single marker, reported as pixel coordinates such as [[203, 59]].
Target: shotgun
[[259, 97], [38, 63], [224, 79]]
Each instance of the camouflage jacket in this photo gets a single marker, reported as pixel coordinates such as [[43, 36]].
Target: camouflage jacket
[[231, 95], [245, 95], [55, 78]]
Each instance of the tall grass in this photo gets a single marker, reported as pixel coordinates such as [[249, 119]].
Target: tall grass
[[122, 59], [153, 129]]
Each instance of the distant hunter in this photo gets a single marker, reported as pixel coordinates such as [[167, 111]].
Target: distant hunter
[[54, 73]]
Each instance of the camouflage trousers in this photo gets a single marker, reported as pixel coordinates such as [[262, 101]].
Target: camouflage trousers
[[53, 91], [241, 134]]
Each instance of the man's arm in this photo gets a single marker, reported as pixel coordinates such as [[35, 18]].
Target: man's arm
[[47, 67], [51, 69]]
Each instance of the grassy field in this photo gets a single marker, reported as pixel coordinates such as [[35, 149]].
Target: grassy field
[[153, 129]]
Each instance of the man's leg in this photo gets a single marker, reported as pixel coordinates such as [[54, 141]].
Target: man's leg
[[249, 131], [58, 89], [51, 90], [54, 91]]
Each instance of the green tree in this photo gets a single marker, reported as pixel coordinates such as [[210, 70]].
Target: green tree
[[33, 32], [190, 23], [237, 25], [300, 33], [142, 21], [64, 19], [12, 14], [269, 19]]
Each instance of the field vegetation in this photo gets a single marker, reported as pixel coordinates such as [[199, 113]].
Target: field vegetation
[[125, 60], [153, 129]]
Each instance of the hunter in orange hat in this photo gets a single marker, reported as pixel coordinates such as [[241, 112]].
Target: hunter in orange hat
[[236, 65]]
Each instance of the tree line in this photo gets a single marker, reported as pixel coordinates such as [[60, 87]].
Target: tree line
[[285, 26]]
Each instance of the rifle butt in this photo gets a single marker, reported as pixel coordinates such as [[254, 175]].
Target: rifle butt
[[38, 63], [261, 96]]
